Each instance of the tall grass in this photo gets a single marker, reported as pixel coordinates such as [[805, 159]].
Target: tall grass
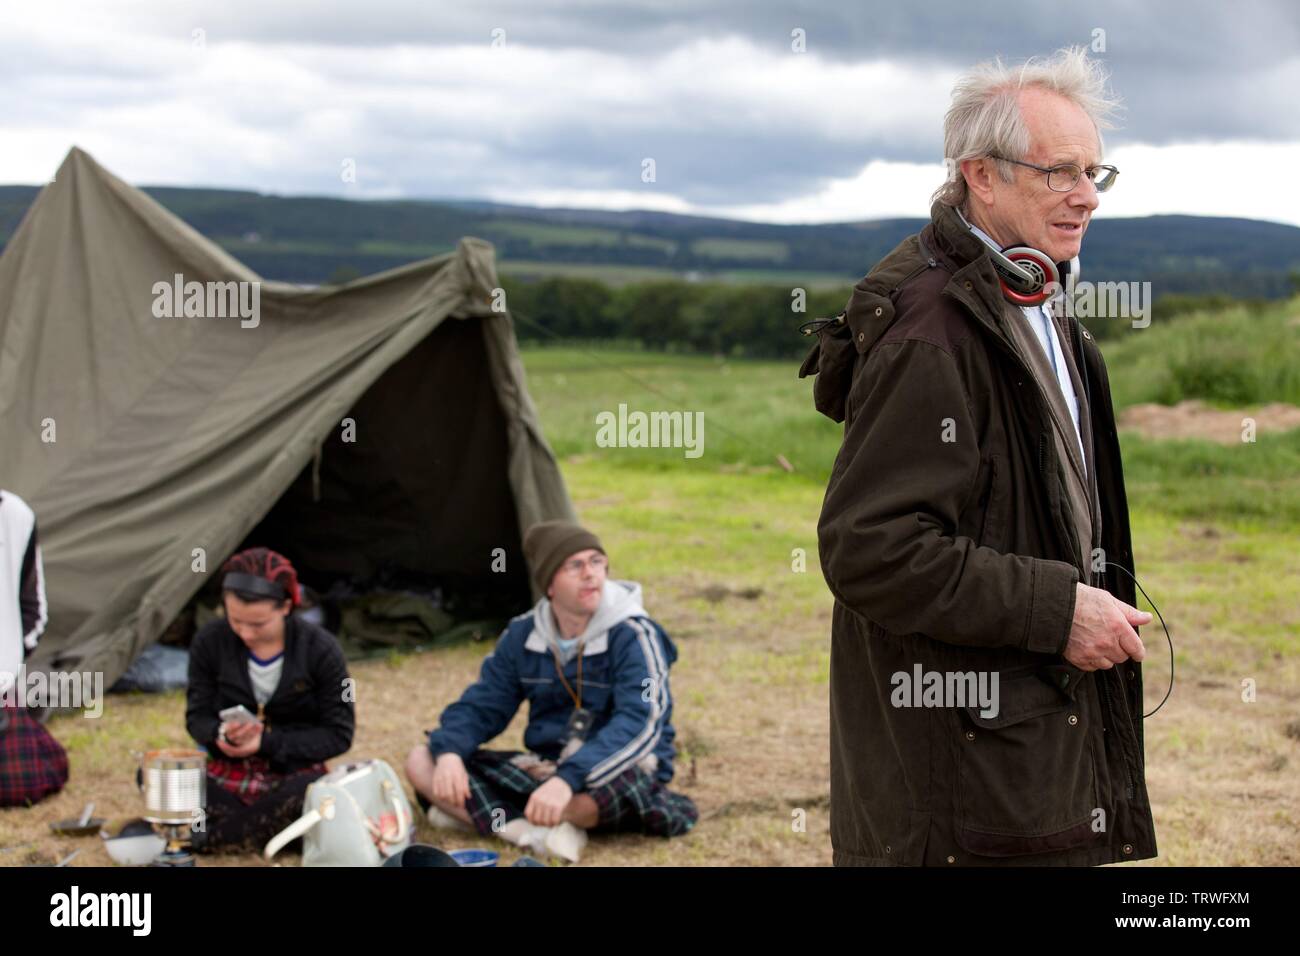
[[1255, 482], [1238, 356]]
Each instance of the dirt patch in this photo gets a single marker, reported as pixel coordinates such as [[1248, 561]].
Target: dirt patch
[[1195, 419], [714, 593]]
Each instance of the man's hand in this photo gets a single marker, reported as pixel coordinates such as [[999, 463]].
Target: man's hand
[[450, 781], [1102, 634], [247, 737], [546, 806]]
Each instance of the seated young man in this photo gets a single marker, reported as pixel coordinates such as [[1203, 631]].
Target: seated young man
[[594, 670], [289, 675]]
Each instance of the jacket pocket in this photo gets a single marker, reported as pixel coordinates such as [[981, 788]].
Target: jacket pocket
[[1026, 779], [832, 361]]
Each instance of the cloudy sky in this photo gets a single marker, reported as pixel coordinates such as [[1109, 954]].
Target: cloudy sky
[[560, 103]]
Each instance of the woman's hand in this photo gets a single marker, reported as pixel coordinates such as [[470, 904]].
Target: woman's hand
[[240, 740]]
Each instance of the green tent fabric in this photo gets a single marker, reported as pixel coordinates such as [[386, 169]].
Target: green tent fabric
[[139, 440]]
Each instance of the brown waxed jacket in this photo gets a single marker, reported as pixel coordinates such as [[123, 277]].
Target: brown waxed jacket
[[947, 541]]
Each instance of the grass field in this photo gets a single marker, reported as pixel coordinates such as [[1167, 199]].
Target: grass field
[[713, 540]]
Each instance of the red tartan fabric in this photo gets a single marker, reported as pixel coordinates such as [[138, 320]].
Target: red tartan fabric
[[33, 764], [251, 778]]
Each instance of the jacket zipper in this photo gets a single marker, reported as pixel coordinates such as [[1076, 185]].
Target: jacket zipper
[[1108, 701], [1128, 769], [1072, 541], [1094, 492], [1042, 465], [1094, 519], [1045, 414]]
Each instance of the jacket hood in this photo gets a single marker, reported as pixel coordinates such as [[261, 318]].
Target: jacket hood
[[619, 600]]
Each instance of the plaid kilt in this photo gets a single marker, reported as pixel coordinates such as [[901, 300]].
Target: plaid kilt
[[33, 764], [633, 801], [251, 778]]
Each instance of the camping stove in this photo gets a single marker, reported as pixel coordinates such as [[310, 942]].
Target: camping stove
[[174, 784]]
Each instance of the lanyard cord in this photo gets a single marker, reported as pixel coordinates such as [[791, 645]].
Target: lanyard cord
[[559, 670]]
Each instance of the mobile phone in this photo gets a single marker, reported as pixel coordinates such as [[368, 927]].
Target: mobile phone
[[239, 714]]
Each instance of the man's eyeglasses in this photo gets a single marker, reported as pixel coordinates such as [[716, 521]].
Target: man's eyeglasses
[[1063, 178], [575, 566]]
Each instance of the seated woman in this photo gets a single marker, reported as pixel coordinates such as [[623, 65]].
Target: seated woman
[[291, 677]]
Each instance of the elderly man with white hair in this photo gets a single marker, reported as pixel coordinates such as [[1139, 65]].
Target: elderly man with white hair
[[975, 530]]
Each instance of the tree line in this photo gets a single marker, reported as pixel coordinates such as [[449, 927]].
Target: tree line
[[757, 321]]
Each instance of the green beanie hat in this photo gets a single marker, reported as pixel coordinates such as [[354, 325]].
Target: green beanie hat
[[548, 544]]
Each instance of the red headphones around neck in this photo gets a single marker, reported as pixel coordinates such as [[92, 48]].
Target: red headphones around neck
[[1028, 277]]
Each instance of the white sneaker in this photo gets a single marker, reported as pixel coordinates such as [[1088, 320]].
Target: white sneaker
[[566, 841], [523, 834], [445, 821]]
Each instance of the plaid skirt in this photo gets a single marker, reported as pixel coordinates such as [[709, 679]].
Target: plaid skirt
[[33, 764], [633, 801], [251, 778], [236, 824]]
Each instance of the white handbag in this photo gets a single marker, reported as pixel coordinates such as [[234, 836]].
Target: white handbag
[[355, 815]]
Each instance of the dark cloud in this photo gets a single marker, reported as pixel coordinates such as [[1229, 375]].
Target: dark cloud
[[1197, 71], [1202, 69]]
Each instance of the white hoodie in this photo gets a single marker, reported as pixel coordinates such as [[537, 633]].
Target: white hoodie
[[619, 600]]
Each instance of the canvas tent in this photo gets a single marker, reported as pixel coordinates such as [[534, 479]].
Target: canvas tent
[[144, 442]]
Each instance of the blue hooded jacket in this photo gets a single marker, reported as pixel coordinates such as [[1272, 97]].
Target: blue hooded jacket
[[625, 664]]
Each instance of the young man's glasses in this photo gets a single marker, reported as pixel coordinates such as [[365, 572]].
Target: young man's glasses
[[575, 565], [1063, 178]]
